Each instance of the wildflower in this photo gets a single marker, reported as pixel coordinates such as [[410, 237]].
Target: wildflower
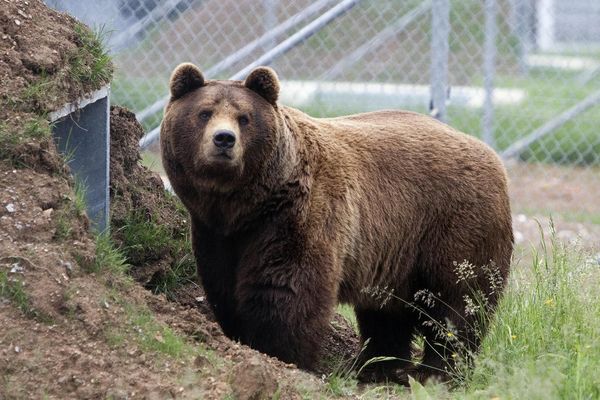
[[454, 355], [549, 302], [450, 334], [471, 307], [513, 337], [464, 271]]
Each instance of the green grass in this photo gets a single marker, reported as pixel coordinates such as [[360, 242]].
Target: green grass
[[80, 190], [72, 210], [153, 162], [545, 339], [35, 93], [566, 215], [548, 93], [347, 312], [107, 257], [181, 271], [138, 93], [62, 224], [88, 67], [542, 343], [90, 64], [14, 291], [150, 334], [145, 240], [154, 336]]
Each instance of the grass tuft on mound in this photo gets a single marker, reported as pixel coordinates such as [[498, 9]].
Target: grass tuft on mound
[[90, 64]]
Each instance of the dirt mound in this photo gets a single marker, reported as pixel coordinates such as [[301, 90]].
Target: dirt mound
[[149, 226], [46, 60], [34, 46]]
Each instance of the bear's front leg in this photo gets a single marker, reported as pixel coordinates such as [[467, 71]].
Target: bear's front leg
[[284, 309]]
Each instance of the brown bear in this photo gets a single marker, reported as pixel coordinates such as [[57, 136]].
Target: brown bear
[[291, 215]]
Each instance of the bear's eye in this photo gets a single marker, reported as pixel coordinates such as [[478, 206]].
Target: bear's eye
[[205, 115], [243, 120]]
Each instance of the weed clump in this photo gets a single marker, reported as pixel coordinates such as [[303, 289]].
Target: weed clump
[[15, 141], [90, 64], [13, 290], [143, 239]]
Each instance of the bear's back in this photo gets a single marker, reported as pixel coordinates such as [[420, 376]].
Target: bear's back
[[439, 187]]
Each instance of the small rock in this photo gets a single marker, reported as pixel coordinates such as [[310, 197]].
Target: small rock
[[16, 269], [200, 299], [10, 207], [17, 22], [47, 213], [200, 361], [17, 349], [252, 380], [68, 268]]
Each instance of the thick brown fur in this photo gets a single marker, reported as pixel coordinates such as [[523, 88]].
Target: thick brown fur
[[303, 213]]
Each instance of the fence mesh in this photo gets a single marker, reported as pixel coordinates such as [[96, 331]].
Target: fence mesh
[[538, 59]]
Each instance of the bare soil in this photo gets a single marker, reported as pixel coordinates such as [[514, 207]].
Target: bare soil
[[551, 197]]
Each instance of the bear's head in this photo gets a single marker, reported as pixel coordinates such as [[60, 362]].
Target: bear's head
[[220, 135]]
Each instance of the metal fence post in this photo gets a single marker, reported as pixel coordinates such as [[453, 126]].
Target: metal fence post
[[270, 20], [440, 31], [522, 16], [489, 72]]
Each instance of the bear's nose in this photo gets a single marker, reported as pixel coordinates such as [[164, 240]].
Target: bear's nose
[[224, 139]]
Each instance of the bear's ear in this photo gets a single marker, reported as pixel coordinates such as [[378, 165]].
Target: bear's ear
[[264, 81], [185, 78]]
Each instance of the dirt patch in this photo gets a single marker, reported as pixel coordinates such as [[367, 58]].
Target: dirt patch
[[552, 197], [556, 188]]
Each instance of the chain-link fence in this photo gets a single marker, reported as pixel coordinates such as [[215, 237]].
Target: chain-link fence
[[523, 75]]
